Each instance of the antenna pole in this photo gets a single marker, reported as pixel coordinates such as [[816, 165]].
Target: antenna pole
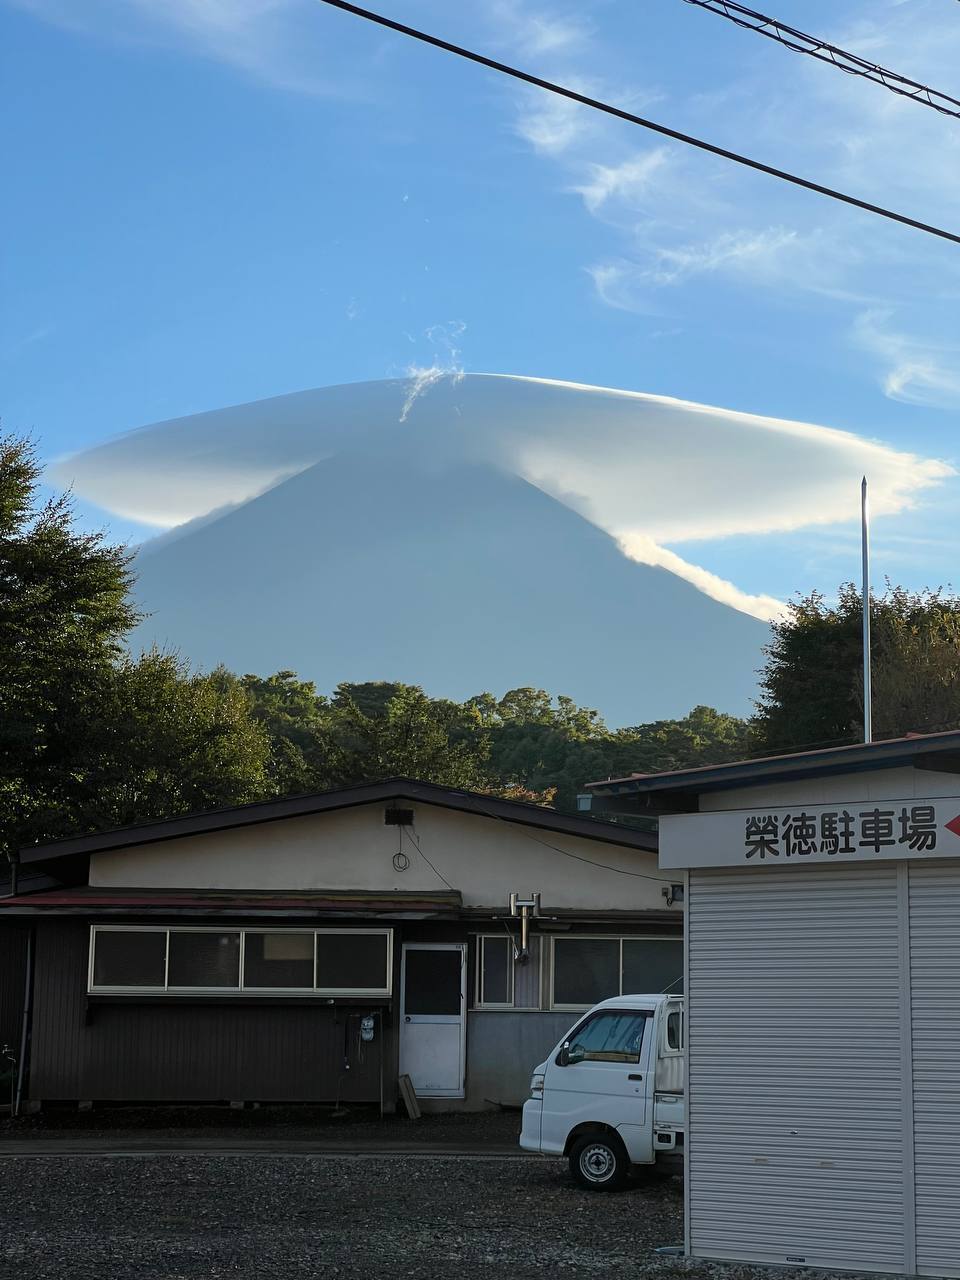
[[865, 546]]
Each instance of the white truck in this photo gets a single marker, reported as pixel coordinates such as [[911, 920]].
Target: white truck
[[610, 1095]]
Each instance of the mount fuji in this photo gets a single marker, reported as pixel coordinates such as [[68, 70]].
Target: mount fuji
[[464, 533]]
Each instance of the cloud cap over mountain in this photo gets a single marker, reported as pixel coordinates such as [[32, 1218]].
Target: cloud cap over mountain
[[670, 469], [649, 470]]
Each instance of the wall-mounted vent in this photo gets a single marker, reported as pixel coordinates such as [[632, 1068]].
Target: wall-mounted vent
[[394, 817]]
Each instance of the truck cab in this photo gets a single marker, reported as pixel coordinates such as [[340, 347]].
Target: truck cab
[[610, 1096]]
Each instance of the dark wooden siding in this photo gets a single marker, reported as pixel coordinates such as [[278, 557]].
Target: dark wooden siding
[[59, 993], [13, 952], [202, 1051]]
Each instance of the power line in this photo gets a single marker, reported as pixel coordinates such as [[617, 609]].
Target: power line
[[850, 63], [416, 844], [597, 105], [604, 866]]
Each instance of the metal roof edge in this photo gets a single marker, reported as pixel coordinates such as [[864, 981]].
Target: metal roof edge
[[206, 822], [854, 758]]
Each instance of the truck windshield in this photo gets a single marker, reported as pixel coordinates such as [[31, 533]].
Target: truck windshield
[[610, 1036]]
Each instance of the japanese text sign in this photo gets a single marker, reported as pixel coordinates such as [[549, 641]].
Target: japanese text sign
[[851, 832]]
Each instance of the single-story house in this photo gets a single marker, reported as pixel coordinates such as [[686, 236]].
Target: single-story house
[[315, 949]]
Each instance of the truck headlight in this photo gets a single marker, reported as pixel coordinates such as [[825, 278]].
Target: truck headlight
[[536, 1082]]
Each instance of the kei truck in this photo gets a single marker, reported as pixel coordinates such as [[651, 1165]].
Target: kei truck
[[610, 1095]]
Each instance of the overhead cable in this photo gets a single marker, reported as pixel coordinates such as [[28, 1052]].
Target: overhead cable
[[619, 113], [479, 807], [850, 63]]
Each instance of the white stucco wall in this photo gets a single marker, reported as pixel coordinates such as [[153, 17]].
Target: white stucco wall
[[484, 858], [875, 784]]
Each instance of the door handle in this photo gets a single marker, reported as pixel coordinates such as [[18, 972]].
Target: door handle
[[634, 1077]]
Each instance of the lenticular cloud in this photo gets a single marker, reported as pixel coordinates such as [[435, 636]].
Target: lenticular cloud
[[648, 469]]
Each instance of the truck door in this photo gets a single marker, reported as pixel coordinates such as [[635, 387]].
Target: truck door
[[599, 1077]]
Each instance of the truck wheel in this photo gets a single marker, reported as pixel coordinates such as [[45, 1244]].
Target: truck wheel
[[598, 1162]]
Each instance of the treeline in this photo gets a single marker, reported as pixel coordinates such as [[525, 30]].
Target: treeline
[[92, 737], [526, 745]]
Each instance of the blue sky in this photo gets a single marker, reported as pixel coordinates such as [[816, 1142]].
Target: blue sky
[[213, 201]]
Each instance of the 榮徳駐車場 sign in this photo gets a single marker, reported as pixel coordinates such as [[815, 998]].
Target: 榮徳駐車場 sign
[[857, 832]]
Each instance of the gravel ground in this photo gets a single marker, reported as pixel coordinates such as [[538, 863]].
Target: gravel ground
[[187, 1217]]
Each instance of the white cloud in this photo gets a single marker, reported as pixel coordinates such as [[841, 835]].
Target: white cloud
[[553, 125], [640, 547], [685, 219], [537, 31], [676, 471], [631, 180], [740, 252], [916, 371], [654, 472], [264, 38], [620, 285]]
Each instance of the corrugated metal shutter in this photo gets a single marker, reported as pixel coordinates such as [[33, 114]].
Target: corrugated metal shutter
[[797, 1125], [935, 978]]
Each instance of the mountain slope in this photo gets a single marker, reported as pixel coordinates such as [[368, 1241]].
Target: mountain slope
[[455, 576]]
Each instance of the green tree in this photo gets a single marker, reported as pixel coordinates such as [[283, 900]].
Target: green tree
[[304, 753], [64, 610], [705, 736], [916, 664], [174, 741], [90, 737], [811, 686], [430, 739]]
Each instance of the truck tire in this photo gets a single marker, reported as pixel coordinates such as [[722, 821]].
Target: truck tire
[[598, 1162]]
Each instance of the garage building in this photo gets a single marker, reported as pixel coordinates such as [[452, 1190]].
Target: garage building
[[823, 985]]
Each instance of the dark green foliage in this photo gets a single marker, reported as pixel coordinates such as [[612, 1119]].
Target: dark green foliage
[[175, 742], [525, 745], [89, 737], [63, 613], [811, 687]]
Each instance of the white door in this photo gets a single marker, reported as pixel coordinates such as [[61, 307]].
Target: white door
[[432, 1022]]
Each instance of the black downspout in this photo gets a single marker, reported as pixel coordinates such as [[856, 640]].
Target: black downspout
[[14, 860], [25, 1026]]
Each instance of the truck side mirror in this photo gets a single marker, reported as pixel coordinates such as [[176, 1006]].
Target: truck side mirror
[[563, 1057]]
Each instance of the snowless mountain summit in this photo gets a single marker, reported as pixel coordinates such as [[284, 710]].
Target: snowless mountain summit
[[469, 532]]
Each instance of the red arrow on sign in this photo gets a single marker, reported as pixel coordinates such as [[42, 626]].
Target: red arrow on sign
[[954, 825]]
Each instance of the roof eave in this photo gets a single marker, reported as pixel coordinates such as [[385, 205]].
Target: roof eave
[[510, 811], [937, 752]]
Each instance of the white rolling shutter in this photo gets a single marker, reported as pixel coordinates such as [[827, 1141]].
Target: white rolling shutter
[[796, 1106], [935, 981]]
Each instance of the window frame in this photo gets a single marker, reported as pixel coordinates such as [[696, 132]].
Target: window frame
[[482, 939], [619, 938], [539, 940], [232, 993]]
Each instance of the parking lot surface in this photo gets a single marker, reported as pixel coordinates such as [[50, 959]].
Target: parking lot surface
[[264, 1216]]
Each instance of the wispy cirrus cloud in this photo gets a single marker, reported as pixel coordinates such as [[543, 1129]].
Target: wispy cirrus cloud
[[271, 40], [554, 125], [538, 31], [920, 371], [632, 180], [685, 220]]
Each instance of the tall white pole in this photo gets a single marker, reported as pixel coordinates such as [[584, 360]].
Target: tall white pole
[[865, 547]]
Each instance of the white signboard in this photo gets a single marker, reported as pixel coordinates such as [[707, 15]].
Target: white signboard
[[837, 833]]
